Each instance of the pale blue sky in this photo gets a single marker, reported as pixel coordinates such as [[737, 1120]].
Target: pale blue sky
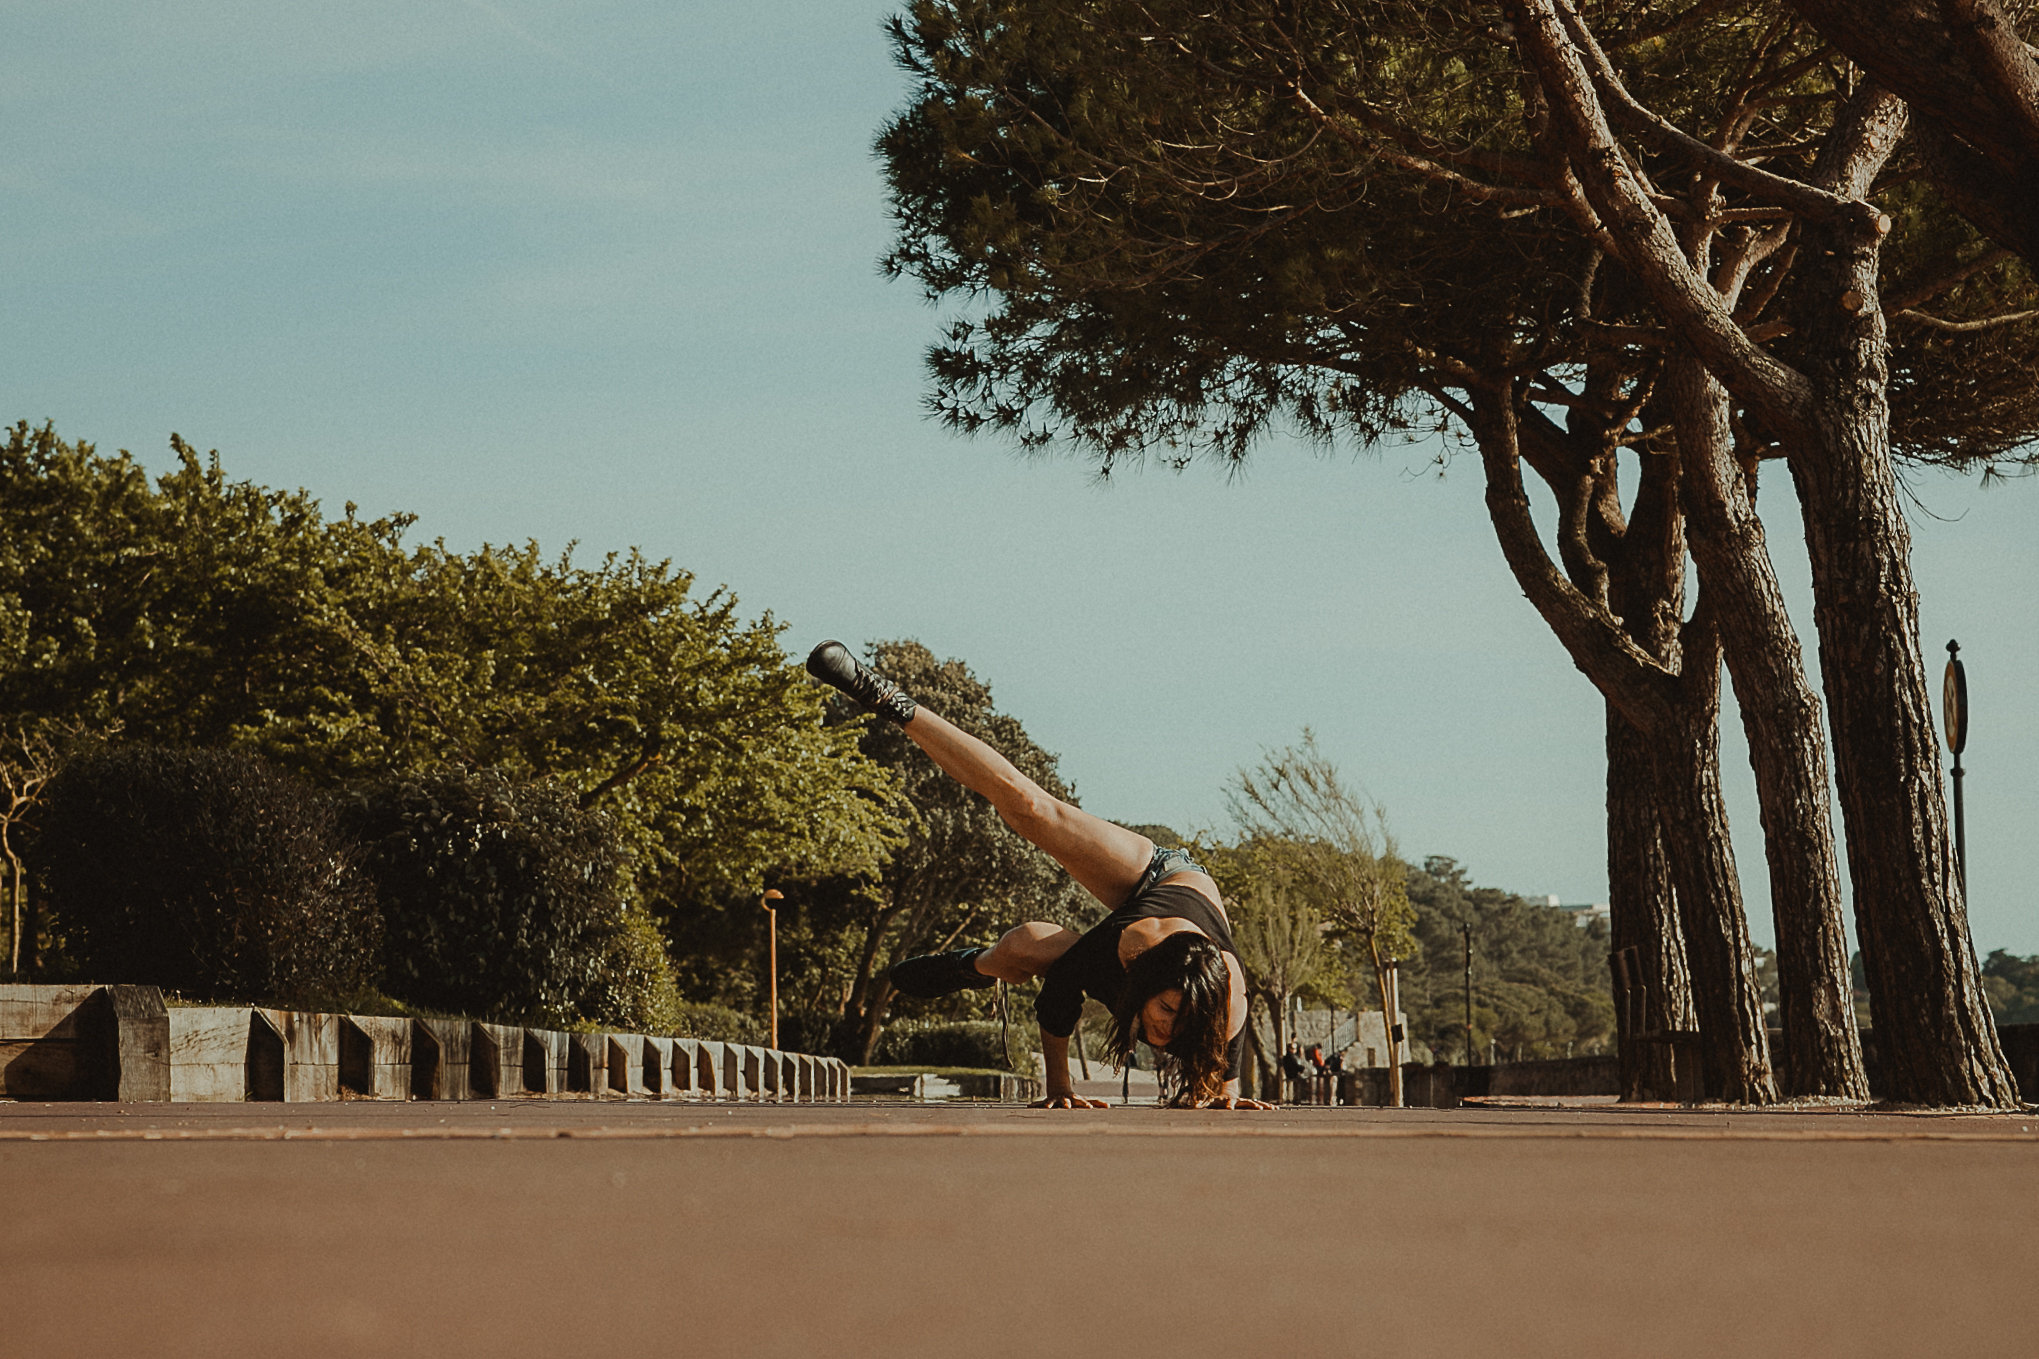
[[606, 270]]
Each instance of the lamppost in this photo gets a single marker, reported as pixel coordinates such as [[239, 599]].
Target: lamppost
[[772, 956], [1467, 926], [1954, 708]]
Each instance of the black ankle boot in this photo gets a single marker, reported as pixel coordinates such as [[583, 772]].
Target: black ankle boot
[[833, 665], [940, 974]]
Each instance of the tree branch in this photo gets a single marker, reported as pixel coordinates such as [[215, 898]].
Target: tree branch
[[1614, 207], [1802, 199], [1632, 680], [1919, 318]]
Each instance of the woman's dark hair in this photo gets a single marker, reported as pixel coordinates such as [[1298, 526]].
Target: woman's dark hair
[[1195, 1063]]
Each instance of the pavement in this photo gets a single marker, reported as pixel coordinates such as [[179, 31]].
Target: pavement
[[550, 1228]]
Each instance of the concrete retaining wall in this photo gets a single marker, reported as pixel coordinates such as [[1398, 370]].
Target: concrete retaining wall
[[626, 1065], [495, 1061], [441, 1053], [123, 1042], [375, 1057], [223, 1054], [311, 1054], [52, 1039], [1444, 1087], [587, 1064], [545, 1062], [658, 1067]]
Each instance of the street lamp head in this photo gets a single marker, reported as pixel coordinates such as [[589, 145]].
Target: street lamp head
[[773, 895]]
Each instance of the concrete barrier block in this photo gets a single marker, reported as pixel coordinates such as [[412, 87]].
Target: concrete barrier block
[[658, 1067], [440, 1050], [763, 1074], [711, 1067], [141, 1044], [545, 1061], [810, 1078], [683, 1078], [55, 1042], [375, 1057], [223, 1054], [495, 1060], [626, 1065], [587, 1064], [311, 1054]]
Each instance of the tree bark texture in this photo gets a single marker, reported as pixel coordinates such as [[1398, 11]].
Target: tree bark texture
[[1936, 1041], [1787, 749], [1734, 1046], [1648, 945]]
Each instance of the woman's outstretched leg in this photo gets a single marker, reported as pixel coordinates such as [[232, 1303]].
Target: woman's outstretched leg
[[1106, 859]]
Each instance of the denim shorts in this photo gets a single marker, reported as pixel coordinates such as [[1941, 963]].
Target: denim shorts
[[1165, 862]]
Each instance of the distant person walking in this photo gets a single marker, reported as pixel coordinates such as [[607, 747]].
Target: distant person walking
[[1296, 1074]]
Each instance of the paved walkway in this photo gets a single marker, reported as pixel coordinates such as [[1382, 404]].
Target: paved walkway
[[547, 1228]]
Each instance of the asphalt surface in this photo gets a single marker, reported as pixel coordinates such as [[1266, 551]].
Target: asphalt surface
[[546, 1228]]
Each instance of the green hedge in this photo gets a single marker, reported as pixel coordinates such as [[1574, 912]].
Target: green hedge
[[206, 872], [952, 1042], [505, 898]]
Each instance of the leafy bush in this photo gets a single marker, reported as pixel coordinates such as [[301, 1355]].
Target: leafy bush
[[949, 1042], [632, 988], [208, 872], [2012, 985], [504, 898], [718, 1022]]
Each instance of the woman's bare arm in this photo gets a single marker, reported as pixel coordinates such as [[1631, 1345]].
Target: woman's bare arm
[[1058, 1090]]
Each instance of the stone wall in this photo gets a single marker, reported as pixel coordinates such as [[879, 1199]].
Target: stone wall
[[123, 1042]]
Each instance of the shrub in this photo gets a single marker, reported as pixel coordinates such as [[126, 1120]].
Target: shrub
[[504, 898], [949, 1042], [632, 987], [720, 1023], [208, 872]]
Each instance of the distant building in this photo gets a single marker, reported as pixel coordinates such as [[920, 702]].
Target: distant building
[[1580, 912], [1361, 1038]]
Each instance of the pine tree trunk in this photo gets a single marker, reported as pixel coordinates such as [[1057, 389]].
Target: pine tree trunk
[[1644, 921], [1674, 704], [872, 1020], [1734, 1048], [1787, 750], [1935, 1039]]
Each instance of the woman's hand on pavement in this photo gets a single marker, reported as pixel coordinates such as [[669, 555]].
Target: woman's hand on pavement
[[1069, 1102], [1233, 1102]]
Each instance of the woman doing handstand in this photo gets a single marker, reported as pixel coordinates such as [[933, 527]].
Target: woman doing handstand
[[1162, 961]]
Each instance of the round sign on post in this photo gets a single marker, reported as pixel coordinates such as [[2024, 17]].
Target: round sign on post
[[1954, 705], [1954, 700]]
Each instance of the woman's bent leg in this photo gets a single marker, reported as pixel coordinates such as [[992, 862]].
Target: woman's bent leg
[[1025, 951], [1106, 859]]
